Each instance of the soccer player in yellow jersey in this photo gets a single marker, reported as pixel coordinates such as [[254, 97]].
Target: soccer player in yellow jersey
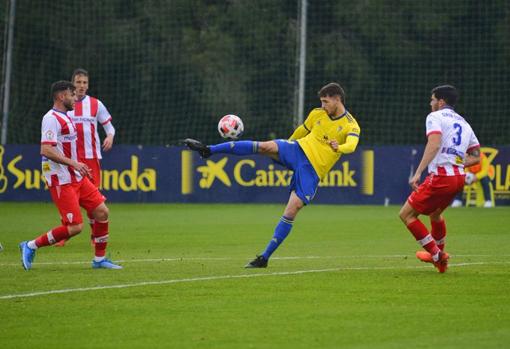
[[310, 152]]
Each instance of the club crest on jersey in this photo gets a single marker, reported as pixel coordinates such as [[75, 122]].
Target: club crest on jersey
[[49, 134], [339, 129]]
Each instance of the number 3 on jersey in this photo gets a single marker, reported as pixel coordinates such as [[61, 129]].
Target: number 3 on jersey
[[458, 138]]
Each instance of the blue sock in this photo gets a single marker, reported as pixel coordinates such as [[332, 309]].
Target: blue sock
[[280, 233], [237, 148]]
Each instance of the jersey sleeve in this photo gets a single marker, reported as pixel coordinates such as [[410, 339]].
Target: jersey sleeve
[[105, 119], [298, 133], [354, 130], [473, 142], [49, 130], [433, 125], [103, 115], [310, 120]]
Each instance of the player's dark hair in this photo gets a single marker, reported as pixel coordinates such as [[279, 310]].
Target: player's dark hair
[[79, 71], [60, 86], [332, 89], [447, 93]]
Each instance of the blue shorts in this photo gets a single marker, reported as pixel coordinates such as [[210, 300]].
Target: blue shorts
[[304, 180]]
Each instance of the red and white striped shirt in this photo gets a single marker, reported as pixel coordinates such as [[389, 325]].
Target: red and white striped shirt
[[457, 139], [86, 115], [58, 130]]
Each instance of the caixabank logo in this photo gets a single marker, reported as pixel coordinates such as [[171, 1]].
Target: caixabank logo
[[259, 173]]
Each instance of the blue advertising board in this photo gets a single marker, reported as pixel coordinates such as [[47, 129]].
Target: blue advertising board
[[372, 175]]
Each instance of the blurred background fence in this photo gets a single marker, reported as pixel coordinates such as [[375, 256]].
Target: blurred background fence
[[170, 69]]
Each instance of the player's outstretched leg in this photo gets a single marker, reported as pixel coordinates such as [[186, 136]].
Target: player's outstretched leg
[[197, 146], [233, 147], [27, 255]]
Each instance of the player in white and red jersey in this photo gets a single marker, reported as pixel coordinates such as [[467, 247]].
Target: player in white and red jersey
[[88, 114], [68, 182], [451, 145]]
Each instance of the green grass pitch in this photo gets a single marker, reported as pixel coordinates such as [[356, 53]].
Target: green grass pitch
[[346, 277]]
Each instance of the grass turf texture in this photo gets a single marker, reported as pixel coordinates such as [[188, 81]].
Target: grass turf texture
[[361, 286]]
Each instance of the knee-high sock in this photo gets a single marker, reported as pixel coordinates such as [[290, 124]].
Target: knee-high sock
[[100, 233], [91, 222], [51, 237], [422, 236], [280, 233], [237, 148], [439, 233]]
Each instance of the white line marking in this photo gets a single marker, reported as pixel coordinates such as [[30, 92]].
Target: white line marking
[[222, 277], [183, 259]]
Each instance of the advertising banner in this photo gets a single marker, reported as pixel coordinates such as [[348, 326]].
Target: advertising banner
[[372, 175]]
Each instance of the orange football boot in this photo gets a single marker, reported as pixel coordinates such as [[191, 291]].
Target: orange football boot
[[441, 264]]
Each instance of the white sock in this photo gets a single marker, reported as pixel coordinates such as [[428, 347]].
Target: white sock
[[98, 259], [32, 244]]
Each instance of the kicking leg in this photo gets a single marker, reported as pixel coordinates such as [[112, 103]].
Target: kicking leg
[[269, 148]]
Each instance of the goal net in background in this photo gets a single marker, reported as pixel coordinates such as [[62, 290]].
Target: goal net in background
[[170, 69]]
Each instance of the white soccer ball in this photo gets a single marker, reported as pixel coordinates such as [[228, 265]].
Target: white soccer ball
[[231, 126]]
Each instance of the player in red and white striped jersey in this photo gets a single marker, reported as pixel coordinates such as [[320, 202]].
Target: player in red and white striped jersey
[[68, 182], [88, 113], [451, 145]]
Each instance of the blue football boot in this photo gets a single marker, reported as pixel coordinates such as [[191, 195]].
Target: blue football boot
[[27, 255], [105, 264]]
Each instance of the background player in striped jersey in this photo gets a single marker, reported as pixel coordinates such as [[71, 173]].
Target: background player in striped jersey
[[68, 182], [87, 114], [312, 150], [451, 145]]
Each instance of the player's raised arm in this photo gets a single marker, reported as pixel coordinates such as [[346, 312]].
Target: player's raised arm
[[299, 132], [304, 129]]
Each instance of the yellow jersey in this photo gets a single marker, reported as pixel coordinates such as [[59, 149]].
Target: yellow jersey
[[319, 130]]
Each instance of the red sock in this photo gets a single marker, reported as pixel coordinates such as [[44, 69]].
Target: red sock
[[421, 234], [53, 236], [439, 233], [91, 221], [100, 233]]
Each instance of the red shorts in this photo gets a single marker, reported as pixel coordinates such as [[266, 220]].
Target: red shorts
[[95, 168], [69, 197], [436, 192]]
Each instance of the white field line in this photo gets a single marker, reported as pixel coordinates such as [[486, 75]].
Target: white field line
[[222, 277], [184, 259]]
